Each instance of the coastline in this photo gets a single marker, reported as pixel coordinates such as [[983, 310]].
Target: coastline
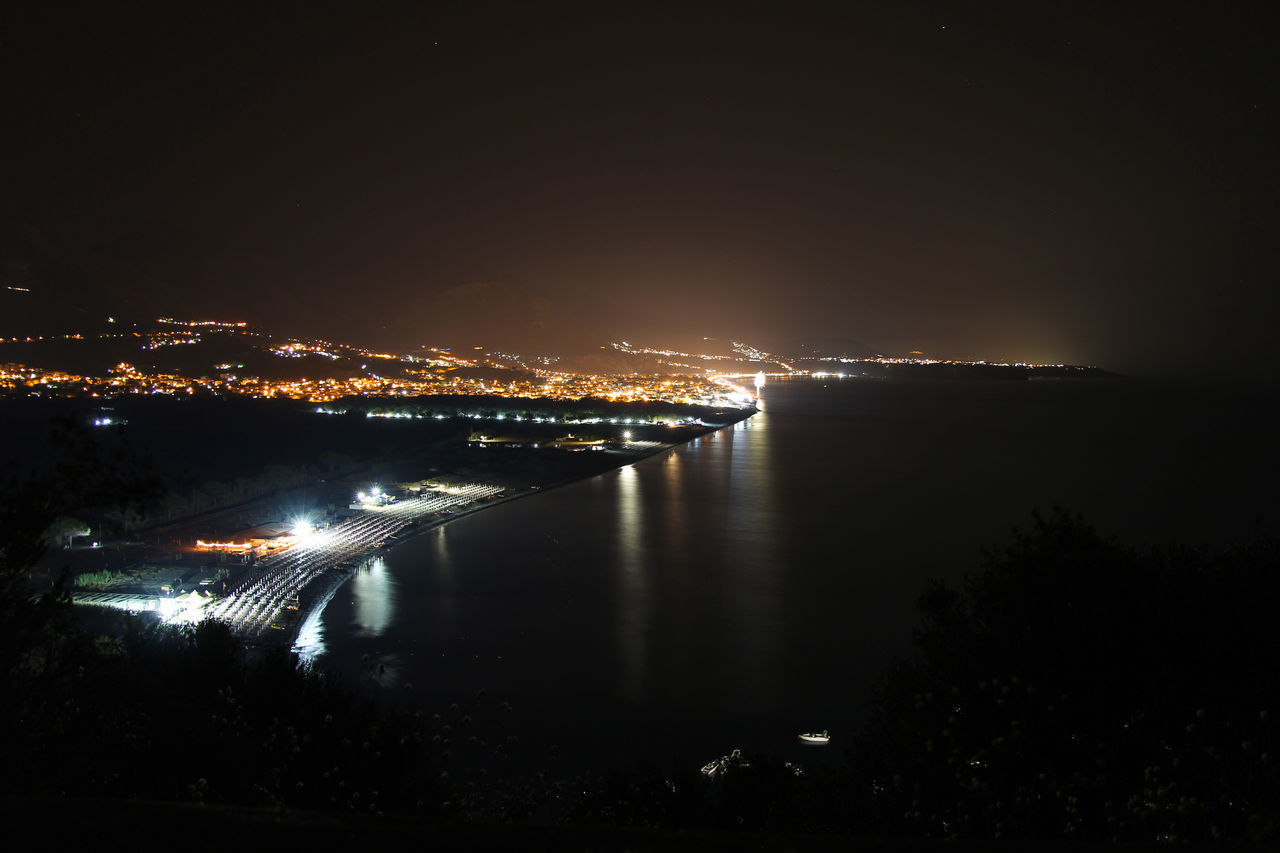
[[317, 594]]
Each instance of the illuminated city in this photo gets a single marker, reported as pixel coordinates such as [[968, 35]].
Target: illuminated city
[[376, 374], [686, 378]]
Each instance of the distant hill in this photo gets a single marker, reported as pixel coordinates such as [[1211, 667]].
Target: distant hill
[[77, 342], [826, 347], [40, 311], [95, 346]]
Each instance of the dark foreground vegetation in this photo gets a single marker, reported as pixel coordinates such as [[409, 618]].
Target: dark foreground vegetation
[[1074, 688]]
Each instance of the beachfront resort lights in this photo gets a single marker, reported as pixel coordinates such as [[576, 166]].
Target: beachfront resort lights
[[234, 547], [188, 608], [374, 497]]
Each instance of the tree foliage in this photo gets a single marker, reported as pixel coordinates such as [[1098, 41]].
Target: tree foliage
[[1078, 688], [79, 473]]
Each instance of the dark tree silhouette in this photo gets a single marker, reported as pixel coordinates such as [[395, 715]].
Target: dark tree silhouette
[[1079, 688]]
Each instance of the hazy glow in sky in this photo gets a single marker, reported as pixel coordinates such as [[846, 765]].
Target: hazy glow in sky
[[1083, 184]]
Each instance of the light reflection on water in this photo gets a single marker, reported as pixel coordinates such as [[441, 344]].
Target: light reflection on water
[[443, 607], [752, 549], [310, 645], [373, 590], [632, 556]]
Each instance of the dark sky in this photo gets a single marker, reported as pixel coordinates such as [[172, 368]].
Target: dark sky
[[1089, 183]]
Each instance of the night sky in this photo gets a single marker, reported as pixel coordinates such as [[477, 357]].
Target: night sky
[[1086, 183]]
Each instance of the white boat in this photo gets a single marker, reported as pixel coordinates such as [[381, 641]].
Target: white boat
[[816, 737]]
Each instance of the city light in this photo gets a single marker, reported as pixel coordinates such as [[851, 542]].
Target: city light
[[436, 372], [182, 609]]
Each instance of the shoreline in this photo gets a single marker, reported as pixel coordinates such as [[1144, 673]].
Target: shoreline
[[317, 594]]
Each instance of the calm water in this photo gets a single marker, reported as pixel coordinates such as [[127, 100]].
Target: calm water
[[753, 583]]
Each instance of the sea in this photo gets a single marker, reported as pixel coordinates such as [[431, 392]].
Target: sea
[[755, 583]]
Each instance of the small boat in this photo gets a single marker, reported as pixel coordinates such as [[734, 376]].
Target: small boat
[[822, 737]]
